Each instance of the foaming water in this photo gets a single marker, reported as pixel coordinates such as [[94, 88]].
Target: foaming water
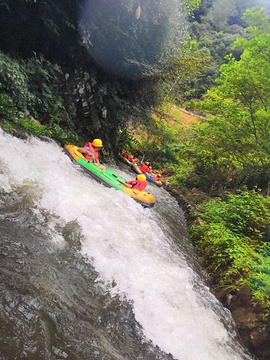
[[141, 255]]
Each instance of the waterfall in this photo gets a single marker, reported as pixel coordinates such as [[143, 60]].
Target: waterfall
[[90, 273]]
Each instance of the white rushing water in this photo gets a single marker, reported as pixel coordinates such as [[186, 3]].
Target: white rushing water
[[129, 246]]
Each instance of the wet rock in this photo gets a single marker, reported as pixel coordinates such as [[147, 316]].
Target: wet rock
[[244, 318], [186, 204]]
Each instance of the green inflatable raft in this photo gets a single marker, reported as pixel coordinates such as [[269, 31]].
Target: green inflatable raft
[[109, 178]]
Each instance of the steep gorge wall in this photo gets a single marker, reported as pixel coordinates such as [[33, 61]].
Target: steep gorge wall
[[98, 103], [81, 94]]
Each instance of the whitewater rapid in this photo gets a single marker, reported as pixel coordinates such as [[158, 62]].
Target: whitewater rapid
[[141, 255]]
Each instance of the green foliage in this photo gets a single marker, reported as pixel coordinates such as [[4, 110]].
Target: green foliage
[[125, 140], [30, 86], [237, 133], [7, 107], [34, 127], [182, 74], [155, 139], [180, 172], [6, 125], [132, 38], [216, 24], [246, 213], [190, 5], [45, 27], [14, 81], [230, 148], [162, 140], [235, 242], [22, 99], [62, 136], [41, 77]]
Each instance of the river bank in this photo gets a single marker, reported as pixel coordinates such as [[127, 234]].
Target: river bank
[[251, 321]]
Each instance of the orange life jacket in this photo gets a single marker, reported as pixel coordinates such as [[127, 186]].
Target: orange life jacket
[[144, 168], [138, 184], [93, 158]]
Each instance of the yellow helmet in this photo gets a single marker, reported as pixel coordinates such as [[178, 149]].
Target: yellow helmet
[[141, 177], [147, 163], [158, 175], [97, 143]]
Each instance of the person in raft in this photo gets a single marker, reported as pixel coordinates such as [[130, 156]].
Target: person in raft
[[139, 183], [90, 152], [132, 159], [156, 177], [125, 155], [144, 167]]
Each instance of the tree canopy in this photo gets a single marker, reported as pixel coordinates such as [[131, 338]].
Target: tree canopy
[[131, 38], [238, 128]]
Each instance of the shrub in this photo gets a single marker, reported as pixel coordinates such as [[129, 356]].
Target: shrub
[[30, 85], [235, 242]]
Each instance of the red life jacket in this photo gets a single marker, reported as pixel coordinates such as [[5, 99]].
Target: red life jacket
[[93, 158], [144, 168], [138, 184]]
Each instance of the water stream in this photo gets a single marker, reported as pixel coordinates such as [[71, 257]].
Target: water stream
[[88, 273]]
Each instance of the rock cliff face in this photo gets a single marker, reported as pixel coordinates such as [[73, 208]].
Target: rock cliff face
[[88, 101], [82, 98], [251, 321], [99, 103], [49, 30], [98, 100]]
